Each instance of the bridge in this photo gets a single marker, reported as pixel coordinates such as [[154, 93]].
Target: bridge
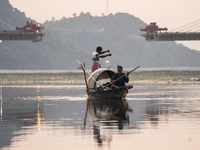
[[184, 33], [20, 36], [30, 32]]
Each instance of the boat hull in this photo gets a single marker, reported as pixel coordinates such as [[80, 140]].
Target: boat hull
[[114, 93]]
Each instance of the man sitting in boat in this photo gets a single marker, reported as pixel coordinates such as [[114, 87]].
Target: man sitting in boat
[[121, 82], [95, 58]]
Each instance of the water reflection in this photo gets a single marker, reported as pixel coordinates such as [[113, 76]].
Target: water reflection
[[18, 115], [107, 114], [1, 101], [157, 112], [61, 117]]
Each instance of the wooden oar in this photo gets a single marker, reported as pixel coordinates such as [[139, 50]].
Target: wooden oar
[[111, 83]]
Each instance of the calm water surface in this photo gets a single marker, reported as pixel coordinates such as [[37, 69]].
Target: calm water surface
[[59, 117]]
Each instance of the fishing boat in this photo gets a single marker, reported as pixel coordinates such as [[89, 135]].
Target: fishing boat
[[98, 85]]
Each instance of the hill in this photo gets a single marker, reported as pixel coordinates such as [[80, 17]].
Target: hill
[[74, 38]]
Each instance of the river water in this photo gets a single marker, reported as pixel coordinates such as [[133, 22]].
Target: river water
[[49, 117]]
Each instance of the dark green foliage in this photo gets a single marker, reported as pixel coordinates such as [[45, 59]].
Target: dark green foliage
[[76, 38]]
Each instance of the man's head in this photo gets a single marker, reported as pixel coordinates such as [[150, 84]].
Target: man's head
[[119, 68], [99, 49]]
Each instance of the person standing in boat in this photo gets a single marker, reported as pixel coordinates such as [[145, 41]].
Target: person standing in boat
[[121, 82], [95, 58]]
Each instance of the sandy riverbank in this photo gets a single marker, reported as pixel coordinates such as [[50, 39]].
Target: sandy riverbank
[[164, 76]]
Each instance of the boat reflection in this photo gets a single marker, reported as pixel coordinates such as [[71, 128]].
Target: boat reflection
[[107, 114]]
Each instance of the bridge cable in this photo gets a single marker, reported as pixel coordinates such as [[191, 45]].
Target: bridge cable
[[185, 25], [7, 24], [193, 28], [198, 29], [190, 27]]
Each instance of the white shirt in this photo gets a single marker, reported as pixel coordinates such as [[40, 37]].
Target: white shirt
[[95, 57]]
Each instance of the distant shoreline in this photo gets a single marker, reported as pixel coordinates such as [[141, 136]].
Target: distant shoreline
[[125, 69], [161, 76]]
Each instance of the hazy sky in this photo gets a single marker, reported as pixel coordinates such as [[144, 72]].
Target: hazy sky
[[167, 13]]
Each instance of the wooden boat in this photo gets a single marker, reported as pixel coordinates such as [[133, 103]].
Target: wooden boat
[[109, 93], [97, 85]]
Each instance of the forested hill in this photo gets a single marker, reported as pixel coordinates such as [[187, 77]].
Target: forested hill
[[69, 39]]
